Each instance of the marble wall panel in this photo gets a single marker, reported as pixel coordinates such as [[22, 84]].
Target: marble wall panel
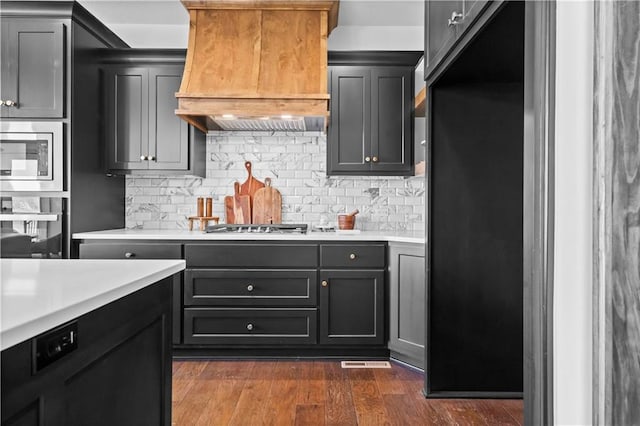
[[296, 164]]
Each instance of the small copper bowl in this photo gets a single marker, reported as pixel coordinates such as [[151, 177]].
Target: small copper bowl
[[346, 222]]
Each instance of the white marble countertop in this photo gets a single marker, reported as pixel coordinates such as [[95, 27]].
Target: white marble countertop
[[162, 234], [37, 295]]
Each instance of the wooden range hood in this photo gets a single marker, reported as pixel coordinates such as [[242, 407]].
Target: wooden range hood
[[258, 62]]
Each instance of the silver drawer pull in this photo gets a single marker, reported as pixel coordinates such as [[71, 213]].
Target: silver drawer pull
[[352, 256], [249, 326], [129, 255], [250, 287]]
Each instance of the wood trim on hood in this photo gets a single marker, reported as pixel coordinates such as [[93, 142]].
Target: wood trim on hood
[[256, 58]]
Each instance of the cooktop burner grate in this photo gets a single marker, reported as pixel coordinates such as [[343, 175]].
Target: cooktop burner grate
[[273, 228]]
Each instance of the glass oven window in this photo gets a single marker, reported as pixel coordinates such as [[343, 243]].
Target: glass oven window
[[26, 157]]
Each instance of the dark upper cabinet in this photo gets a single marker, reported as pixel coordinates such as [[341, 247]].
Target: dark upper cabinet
[[445, 23], [33, 58], [349, 135], [168, 133], [142, 131], [127, 130], [371, 124]]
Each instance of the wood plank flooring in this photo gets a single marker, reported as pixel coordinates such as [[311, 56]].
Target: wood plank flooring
[[319, 393]]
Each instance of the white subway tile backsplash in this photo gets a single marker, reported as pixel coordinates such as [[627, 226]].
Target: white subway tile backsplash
[[296, 163]]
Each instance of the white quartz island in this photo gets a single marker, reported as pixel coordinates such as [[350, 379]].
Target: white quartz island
[[37, 295], [87, 341]]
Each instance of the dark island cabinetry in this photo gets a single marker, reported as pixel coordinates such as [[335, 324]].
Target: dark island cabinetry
[[143, 134], [371, 127], [33, 59], [119, 373]]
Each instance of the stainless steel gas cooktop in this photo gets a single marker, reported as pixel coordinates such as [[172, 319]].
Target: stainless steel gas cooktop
[[279, 228]]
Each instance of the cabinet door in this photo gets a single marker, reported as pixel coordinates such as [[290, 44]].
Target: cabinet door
[[391, 124], [352, 307], [472, 10], [349, 139], [127, 117], [439, 34], [406, 303], [32, 68], [168, 133]]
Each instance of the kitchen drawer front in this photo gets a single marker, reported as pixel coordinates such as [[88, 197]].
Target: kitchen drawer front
[[250, 326], [251, 255], [352, 255], [130, 251], [283, 287]]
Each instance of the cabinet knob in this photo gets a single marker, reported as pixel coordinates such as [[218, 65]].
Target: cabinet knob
[[1, 102], [455, 19], [352, 256], [129, 255], [324, 283], [367, 159], [143, 157], [374, 159], [10, 103], [250, 287], [151, 158], [249, 326]]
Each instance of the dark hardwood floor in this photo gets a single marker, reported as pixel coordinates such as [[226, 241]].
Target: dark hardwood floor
[[319, 393]]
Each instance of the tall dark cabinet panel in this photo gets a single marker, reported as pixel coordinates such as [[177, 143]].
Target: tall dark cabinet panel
[[474, 344], [371, 126], [33, 65], [144, 135], [97, 200]]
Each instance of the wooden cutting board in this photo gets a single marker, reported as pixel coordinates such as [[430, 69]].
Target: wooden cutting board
[[237, 207], [251, 185], [267, 205]]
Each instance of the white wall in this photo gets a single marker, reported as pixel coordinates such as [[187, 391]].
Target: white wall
[[573, 214]]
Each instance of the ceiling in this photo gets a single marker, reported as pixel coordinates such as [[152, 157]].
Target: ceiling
[[362, 24]]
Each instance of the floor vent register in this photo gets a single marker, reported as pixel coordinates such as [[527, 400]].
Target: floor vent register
[[366, 364]]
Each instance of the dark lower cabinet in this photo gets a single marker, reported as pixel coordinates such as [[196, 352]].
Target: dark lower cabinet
[[255, 326], [33, 68], [253, 298], [149, 250], [352, 307], [119, 374], [406, 303]]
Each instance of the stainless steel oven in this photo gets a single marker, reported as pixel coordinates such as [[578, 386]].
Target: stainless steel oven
[[31, 156]]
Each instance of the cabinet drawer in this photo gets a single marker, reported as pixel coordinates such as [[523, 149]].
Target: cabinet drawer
[[352, 256], [249, 326], [130, 251], [251, 255], [251, 287]]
